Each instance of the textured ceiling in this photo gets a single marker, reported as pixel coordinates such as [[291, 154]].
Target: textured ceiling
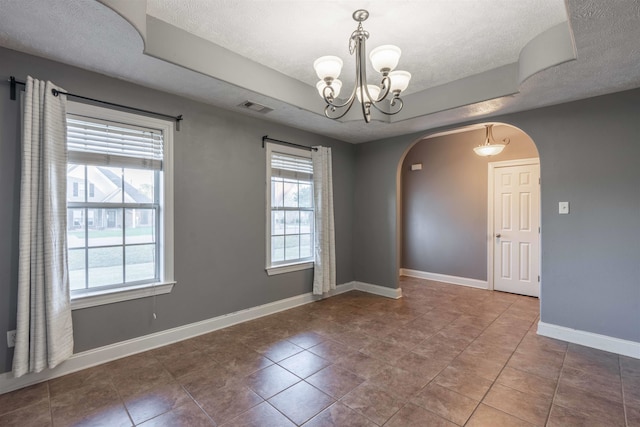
[[441, 40], [89, 35]]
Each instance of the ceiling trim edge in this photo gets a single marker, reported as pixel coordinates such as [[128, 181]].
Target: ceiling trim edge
[[549, 48], [134, 12], [179, 47]]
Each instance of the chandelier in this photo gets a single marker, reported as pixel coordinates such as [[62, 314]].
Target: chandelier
[[490, 146], [384, 60]]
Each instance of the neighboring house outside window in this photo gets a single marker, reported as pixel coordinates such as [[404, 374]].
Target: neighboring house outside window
[[119, 205], [290, 211]]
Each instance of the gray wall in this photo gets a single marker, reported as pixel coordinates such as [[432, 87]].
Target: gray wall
[[444, 205], [219, 169], [590, 156]]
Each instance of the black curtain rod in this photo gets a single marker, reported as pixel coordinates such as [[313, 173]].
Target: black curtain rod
[[14, 82], [55, 92], [266, 138]]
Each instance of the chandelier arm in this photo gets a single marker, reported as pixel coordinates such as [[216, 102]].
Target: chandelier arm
[[386, 86], [330, 100], [328, 93], [357, 47], [330, 108], [335, 107], [396, 101], [366, 110], [361, 80], [348, 102]]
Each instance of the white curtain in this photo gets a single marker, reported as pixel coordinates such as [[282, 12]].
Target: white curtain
[[324, 272], [44, 330]]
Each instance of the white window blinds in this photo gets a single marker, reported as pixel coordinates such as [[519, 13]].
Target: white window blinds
[[289, 166], [103, 143]]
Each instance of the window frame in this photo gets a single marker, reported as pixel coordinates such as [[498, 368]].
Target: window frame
[[165, 237], [280, 268]]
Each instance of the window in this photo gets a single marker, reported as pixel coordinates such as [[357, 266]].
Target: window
[[290, 214], [119, 205]]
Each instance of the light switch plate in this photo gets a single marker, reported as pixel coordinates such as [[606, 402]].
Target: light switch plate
[[563, 208]]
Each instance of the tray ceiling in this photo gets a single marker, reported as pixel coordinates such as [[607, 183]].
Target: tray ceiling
[[470, 60]]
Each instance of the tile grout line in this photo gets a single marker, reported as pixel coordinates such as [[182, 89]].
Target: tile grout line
[[514, 311], [581, 412], [193, 399], [624, 401], [555, 392], [282, 413], [461, 351], [122, 400], [31, 404], [49, 402], [506, 386], [407, 402], [503, 366]]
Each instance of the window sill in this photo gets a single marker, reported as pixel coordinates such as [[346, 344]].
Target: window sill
[[92, 299], [279, 269]]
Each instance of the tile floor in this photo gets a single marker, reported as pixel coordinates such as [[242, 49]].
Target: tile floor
[[443, 355]]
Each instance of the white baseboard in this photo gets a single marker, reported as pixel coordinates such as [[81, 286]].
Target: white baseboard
[[87, 359], [454, 280], [394, 293], [108, 353], [589, 339]]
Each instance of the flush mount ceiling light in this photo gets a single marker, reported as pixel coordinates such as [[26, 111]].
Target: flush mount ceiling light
[[384, 60], [490, 146]]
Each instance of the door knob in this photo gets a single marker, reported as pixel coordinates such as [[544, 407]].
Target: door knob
[[498, 236]]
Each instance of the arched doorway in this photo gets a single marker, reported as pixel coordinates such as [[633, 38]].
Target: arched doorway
[[446, 222]]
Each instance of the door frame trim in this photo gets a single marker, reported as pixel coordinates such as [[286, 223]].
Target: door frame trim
[[490, 214]]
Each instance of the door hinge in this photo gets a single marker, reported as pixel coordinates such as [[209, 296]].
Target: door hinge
[[538, 230], [539, 181], [538, 279]]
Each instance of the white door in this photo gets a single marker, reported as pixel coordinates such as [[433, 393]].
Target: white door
[[516, 229]]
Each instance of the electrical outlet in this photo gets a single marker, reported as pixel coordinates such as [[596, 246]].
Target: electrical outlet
[[11, 338]]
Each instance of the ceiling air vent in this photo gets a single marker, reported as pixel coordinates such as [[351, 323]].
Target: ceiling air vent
[[254, 106]]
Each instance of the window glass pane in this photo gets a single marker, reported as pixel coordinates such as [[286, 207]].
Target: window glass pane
[[292, 247], [139, 186], [306, 222], [105, 266], [290, 193], [140, 262], [292, 217], [277, 192], [105, 226], [292, 222], [75, 228], [277, 223], [277, 248], [305, 195], [107, 184], [75, 183], [140, 225], [77, 270], [305, 246], [114, 173]]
